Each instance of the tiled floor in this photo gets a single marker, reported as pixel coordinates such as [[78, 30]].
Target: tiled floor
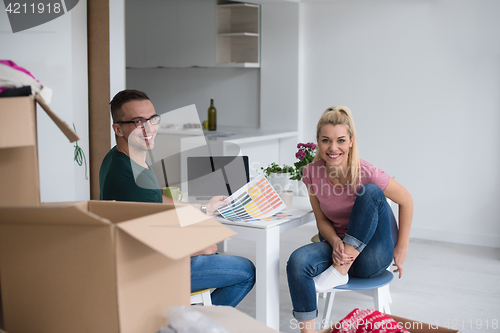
[[448, 284]]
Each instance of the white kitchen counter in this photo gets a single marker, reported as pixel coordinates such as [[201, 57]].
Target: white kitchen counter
[[237, 135], [261, 146]]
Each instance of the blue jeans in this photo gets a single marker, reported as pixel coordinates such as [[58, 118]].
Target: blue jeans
[[369, 231], [233, 277]]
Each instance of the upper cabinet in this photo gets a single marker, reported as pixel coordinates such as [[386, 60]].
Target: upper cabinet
[[170, 33], [238, 35], [191, 33]]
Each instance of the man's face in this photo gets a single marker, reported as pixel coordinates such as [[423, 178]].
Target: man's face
[[141, 139]]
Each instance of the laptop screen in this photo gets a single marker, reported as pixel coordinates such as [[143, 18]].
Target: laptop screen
[[216, 175]]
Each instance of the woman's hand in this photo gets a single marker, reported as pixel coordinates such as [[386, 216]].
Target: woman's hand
[[402, 197], [338, 256], [399, 257], [214, 203]]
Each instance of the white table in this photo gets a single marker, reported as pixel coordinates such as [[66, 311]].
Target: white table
[[266, 234]]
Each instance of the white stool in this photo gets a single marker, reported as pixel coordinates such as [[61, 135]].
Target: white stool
[[201, 297], [376, 287]]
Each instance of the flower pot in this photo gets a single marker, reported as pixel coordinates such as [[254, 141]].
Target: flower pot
[[281, 181], [299, 188]]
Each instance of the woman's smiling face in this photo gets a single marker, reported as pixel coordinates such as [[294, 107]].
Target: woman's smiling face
[[333, 144]]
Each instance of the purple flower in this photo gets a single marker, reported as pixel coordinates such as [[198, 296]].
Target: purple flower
[[305, 152]]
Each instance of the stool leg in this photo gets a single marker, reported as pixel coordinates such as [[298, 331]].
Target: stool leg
[[378, 299], [328, 309], [387, 299], [207, 300], [195, 299], [388, 293]]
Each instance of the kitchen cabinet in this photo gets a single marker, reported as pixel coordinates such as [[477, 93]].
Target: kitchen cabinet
[[170, 33], [191, 33], [238, 35]]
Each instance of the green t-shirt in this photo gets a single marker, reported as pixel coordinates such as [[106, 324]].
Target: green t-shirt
[[122, 179]]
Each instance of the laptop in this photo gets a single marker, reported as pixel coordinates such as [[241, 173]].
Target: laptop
[[209, 176]]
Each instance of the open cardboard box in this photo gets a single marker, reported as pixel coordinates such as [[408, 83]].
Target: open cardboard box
[[19, 173], [413, 326], [98, 266], [19, 150], [234, 321]]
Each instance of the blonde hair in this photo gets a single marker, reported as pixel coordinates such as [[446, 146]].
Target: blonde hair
[[341, 115]]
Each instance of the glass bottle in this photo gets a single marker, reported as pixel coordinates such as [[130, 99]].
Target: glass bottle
[[212, 116]]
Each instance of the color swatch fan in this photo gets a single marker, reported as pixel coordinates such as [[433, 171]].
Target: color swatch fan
[[255, 200]]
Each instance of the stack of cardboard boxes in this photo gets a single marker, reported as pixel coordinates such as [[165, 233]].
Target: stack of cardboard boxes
[[94, 266]]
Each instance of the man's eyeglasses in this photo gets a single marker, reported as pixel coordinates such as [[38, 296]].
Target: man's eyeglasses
[[141, 122]]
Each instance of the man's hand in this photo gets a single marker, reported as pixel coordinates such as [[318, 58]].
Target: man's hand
[[214, 203], [212, 249]]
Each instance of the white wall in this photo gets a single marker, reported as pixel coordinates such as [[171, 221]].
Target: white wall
[[423, 80], [116, 47], [117, 72], [279, 74], [279, 88], [56, 54]]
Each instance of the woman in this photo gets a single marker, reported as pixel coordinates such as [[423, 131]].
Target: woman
[[348, 199]]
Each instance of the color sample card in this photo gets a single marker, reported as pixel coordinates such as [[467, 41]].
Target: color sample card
[[276, 217], [254, 201]]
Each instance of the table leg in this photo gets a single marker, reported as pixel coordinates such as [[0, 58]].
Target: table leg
[[267, 284]]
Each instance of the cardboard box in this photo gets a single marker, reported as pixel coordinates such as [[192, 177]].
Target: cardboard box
[[98, 266], [234, 321], [19, 173], [413, 326]]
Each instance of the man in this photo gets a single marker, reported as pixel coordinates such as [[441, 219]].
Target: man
[[126, 176]]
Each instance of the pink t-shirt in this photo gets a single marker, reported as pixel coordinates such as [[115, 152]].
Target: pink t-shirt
[[336, 202]]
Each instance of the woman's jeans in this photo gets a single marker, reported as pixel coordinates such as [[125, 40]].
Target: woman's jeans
[[233, 277], [369, 231]]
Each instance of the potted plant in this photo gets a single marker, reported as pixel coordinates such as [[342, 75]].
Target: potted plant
[[279, 176], [305, 155]]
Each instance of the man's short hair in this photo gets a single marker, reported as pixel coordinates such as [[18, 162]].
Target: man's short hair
[[123, 97]]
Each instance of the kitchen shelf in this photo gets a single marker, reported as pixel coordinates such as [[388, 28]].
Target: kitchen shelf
[[239, 64], [238, 35]]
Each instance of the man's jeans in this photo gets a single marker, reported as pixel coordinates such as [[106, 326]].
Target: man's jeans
[[233, 277], [369, 231]]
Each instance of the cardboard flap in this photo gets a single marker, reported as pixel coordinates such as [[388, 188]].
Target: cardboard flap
[[70, 134], [234, 320], [75, 215], [58, 278], [20, 178], [177, 233], [18, 116], [120, 211]]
